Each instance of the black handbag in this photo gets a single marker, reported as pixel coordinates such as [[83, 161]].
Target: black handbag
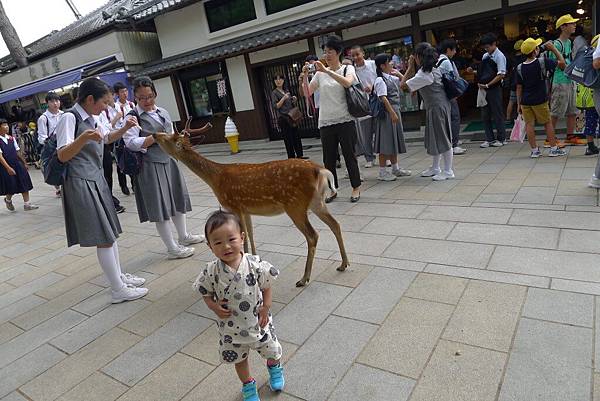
[[453, 86], [357, 99], [129, 162]]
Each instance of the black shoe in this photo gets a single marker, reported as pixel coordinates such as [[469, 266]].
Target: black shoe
[[303, 157], [355, 199], [125, 191], [592, 150], [120, 209], [330, 199]]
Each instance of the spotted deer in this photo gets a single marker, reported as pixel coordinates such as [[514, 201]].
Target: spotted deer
[[292, 186]]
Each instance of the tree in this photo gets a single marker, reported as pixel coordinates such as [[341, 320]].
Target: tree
[[11, 38]]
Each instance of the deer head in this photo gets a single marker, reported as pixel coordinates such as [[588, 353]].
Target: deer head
[[174, 143]]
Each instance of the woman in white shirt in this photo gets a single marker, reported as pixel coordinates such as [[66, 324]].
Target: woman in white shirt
[[90, 216], [336, 125]]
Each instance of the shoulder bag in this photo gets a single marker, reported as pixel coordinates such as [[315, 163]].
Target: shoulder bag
[[357, 99]]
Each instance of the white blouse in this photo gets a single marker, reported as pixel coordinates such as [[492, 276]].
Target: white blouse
[[333, 108], [380, 87], [65, 130], [132, 138]]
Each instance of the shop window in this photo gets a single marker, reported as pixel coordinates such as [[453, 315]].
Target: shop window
[[275, 6], [223, 14], [206, 96]]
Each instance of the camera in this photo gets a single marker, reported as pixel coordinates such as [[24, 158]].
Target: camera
[[543, 47], [311, 68]]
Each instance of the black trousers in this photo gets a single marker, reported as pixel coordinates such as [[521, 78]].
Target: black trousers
[[343, 134], [291, 138], [107, 167], [494, 112]]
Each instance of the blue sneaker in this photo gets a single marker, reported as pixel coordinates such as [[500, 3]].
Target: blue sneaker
[[276, 379], [250, 392]]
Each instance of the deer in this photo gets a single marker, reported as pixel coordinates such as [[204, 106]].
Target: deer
[[292, 186]]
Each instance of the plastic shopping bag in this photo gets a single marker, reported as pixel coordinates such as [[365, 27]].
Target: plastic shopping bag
[[518, 131]]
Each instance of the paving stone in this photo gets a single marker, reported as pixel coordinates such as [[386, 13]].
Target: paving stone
[[68, 283], [294, 325], [19, 307], [30, 340], [170, 381], [591, 200], [22, 370], [367, 244], [95, 303], [8, 331], [535, 195], [559, 264], [351, 277], [170, 281], [560, 306], [279, 260], [486, 315], [383, 262], [557, 219], [366, 383], [279, 235], [284, 288], [292, 250], [326, 356], [432, 287], [495, 198], [545, 367], [131, 366], [87, 331], [266, 394], [386, 210], [596, 391], [579, 241], [205, 346], [14, 397], [575, 286], [531, 237], [28, 289], [5, 287], [65, 375], [376, 296], [488, 275], [55, 306], [443, 252], [97, 387], [409, 227], [503, 187], [405, 341], [458, 372]]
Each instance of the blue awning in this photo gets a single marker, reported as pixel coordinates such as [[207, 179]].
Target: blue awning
[[51, 82]]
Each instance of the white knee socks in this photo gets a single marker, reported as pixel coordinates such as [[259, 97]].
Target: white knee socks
[[165, 234], [435, 164], [180, 225], [115, 249], [106, 258], [447, 161]]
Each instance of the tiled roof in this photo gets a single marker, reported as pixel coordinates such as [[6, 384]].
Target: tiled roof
[[347, 16], [150, 9]]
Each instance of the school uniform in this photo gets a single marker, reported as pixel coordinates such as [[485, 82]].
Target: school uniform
[[46, 125], [389, 136], [124, 108], [160, 189], [13, 184], [90, 216]]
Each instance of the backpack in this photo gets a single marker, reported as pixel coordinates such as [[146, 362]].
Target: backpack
[[581, 69], [453, 86], [54, 171], [585, 97], [543, 71], [376, 107], [487, 71], [128, 161]]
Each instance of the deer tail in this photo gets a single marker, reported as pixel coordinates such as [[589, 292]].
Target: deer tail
[[327, 175]]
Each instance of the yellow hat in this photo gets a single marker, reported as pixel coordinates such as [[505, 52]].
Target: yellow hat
[[565, 19], [595, 40], [518, 44], [529, 45], [31, 125]]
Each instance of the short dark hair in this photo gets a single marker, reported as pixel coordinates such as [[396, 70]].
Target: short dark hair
[[94, 87], [3, 121], [427, 55], [118, 86], [51, 96], [488, 39], [447, 44], [356, 47], [311, 57], [218, 219], [143, 82], [334, 42]]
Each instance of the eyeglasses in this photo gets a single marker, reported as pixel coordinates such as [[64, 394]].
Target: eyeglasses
[[146, 98]]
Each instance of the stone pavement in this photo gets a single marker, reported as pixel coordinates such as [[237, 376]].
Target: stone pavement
[[479, 289]]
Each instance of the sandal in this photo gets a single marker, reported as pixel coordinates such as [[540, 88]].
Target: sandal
[[330, 199], [9, 205]]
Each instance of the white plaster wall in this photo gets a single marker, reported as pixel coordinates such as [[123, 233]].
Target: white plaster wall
[[457, 10], [166, 97], [240, 83], [389, 24], [279, 51]]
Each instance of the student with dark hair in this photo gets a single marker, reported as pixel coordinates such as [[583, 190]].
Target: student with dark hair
[[336, 124], [122, 106], [161, 194], [446, 65], [283, 102], [424, 77], [46, 124], [89, 212], [490, 73]]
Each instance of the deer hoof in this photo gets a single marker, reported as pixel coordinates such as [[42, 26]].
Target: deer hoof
[[342, 267], [301, 283]]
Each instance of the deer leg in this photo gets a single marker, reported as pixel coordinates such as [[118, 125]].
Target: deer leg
[[249, 232], [301, 221], [326, 217], [245, 230]]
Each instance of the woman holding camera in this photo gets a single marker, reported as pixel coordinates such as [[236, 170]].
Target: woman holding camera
[[283, 102]]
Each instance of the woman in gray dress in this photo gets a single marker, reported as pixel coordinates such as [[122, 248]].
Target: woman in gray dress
[[389, 134], [422, 76], [160, 190], [90, 216]]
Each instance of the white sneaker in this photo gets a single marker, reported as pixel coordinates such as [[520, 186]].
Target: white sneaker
[[443, 176], [387, 176], [485, 144], [192, 239], [457, 150], [594, 182], [496, 144], [430, 172], [505, 142], [128, 293], [401, 172], [133, 280], [181, 253], [368, 164]]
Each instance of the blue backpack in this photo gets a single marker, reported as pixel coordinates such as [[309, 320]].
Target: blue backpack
[[54, 171], [581, 69]]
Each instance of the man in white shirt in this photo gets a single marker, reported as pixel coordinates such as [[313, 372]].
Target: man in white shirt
[[47, 123], [365, 126], [122, 107], [446, 65]]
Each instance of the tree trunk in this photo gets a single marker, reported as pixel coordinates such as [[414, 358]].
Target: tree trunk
[[11, 38]]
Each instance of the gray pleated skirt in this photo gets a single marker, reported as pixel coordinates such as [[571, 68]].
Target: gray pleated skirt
[[90, 216], [389, 137], [438, 129], [160, 191]]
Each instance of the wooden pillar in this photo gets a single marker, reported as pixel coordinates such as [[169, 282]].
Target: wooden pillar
[[417, 34]]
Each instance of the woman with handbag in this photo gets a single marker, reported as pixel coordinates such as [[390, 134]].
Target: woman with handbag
[[389, 134], [160, 190], [288, 118], [336, 124], [90, 215]]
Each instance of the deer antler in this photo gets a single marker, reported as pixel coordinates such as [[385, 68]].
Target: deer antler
[[195, 131]]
